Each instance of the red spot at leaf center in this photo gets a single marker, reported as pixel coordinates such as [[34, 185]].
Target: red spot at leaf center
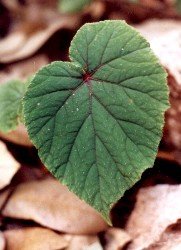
[[87, 78]]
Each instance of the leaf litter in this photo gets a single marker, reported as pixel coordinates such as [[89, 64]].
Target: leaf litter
[[34, 29], [156, 208], [165, 42], [170, 238], [61, 210], [8, 166], [35, 238]]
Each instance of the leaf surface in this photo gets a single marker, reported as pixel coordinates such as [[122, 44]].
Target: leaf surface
[[97, 121], [11, 94]]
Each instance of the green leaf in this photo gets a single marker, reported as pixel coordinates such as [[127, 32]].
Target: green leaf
[[71, 6], [97, 121], [11, 94]]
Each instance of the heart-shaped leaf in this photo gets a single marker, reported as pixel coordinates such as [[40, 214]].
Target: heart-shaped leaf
[[97, 121]]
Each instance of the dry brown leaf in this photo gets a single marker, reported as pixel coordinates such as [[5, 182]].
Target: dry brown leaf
[[35, 238], [3, 197], [23, 42], [23, 69], [156, 208], [96, 9], [169, 240], [116, 239], [165, 42], [94, 246], [172, 133], [51, 204], [8, 166], [18, 136], [84, 243], [166, 155], [2, 241]]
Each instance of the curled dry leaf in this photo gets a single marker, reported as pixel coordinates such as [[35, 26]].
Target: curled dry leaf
[[35, 238], [8, 166], [169, 240], [165, 42], [116, 239], [3, 197], [2, 241], [56, 207], [84, 243], [154, 211], [26, 40]]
